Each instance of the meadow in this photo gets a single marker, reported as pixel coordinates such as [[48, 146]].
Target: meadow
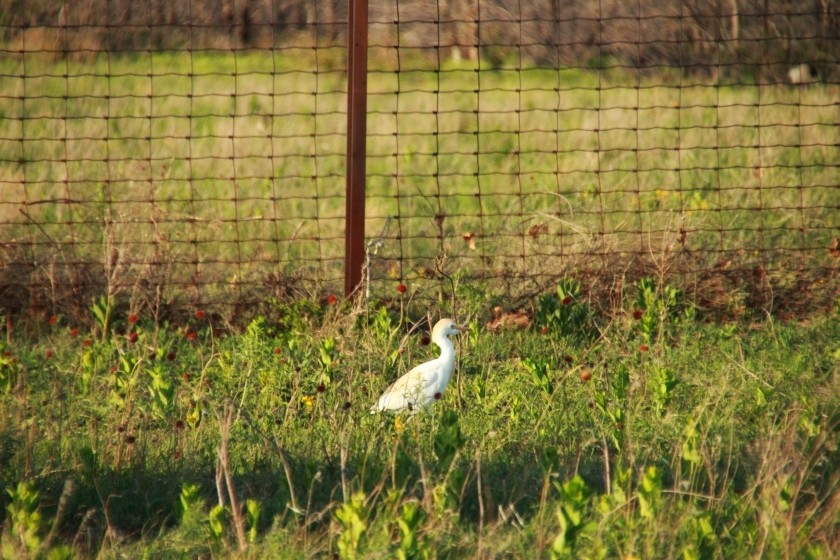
[[668, 412], [644, 434]]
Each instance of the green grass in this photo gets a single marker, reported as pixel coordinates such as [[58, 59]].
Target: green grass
[[232, 165], [684, 440]]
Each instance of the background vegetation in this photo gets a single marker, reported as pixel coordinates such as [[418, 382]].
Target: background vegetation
[[179, 179]]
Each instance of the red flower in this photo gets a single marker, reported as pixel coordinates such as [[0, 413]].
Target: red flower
[[199, 314], [185, 376], [643, 347], [132, 318], [86, 342], [567, 300], [425, 340], [401, 288], [331, 299], [191, 335], [543, 330], [585, 375], [132, 337], [277, 350], [74, 333], [53, 319], [48, 353], [637, 314]]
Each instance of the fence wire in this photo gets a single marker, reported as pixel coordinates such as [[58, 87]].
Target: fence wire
[[192, 154]]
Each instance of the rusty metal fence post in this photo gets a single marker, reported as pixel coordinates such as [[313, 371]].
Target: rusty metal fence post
[[354, 235]]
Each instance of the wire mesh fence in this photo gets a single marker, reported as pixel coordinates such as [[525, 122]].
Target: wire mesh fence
[[185, 154]]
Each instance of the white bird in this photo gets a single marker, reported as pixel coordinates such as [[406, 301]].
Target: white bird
[[425, 383]]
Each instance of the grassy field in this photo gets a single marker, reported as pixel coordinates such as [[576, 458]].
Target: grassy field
[[626, 422], [643, 434], [229, 168]]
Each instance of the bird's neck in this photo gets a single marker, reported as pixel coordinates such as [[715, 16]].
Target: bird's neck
[[447, 349]]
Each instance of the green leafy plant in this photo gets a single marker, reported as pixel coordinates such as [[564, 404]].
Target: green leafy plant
[[216, 521], [101, 309], [664, 382], [8, 374], [252, 510], [655, 305], [571, 515], [411, 546], [25, 521], [540, 371], [448, 440], [610, 400], [161, 390], [352, 520], [649, 492], [565, 313]]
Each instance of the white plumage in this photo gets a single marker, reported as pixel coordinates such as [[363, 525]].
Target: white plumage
[[425, 383]]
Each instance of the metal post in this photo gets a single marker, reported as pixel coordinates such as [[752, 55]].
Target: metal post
[[354, 234]]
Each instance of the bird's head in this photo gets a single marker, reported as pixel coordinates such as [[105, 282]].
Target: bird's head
[[447, 327]]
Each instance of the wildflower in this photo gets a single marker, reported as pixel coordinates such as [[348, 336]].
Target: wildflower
[[199, 314], [401, 288], [332, 299], [132, 318], [308, 401]]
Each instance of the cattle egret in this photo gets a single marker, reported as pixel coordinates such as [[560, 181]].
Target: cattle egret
[[425, 383]]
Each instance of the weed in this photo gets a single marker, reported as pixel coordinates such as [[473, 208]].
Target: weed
[[564, 313], [716, 443]]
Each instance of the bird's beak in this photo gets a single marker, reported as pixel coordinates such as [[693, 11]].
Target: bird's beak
[[459, 328]]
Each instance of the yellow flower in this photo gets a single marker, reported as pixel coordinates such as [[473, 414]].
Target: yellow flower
[[308, 402], [399, 425]]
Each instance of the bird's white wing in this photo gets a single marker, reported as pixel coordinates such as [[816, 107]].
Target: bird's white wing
[[415, 388]]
